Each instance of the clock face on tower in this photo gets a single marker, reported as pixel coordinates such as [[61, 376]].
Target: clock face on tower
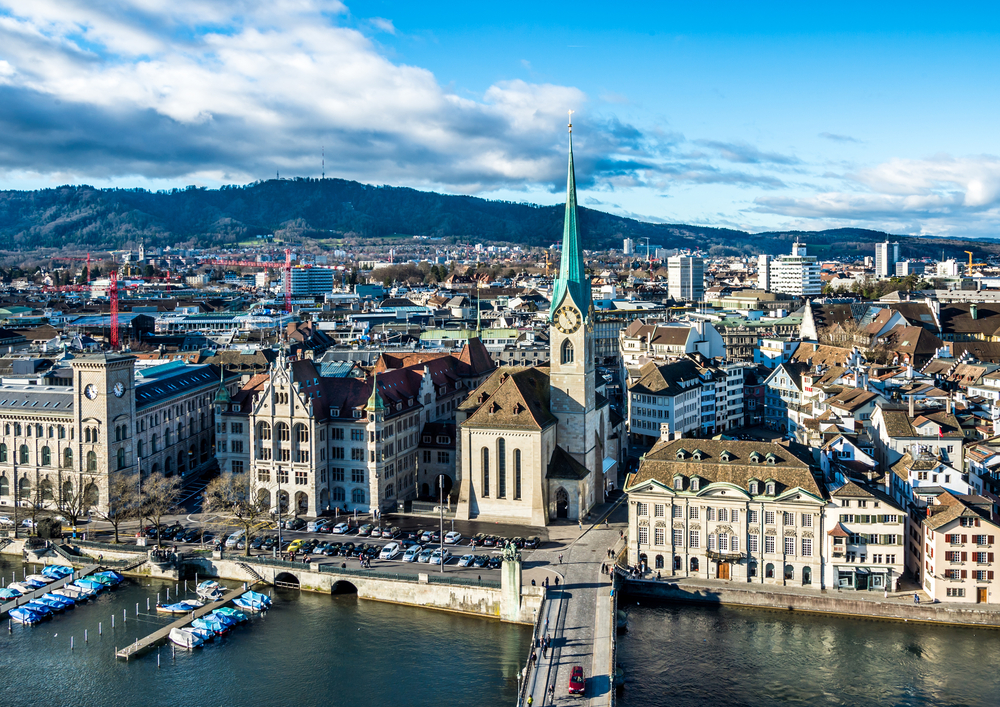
[[90, 391], [568, 319], [119, 389]]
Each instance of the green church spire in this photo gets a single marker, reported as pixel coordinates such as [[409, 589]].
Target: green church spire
[[572, 277]]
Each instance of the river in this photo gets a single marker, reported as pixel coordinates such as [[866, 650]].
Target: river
[[691, 656], [310, 649]]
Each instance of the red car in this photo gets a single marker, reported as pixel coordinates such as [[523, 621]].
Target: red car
[[577, 684]]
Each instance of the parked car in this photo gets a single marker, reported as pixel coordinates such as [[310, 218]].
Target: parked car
[[365, 530], [296, 544], [4, 520], [412, 552], [453, 537], [390, 532], [495, 562], [234, 539], [490, 541], [440, 556], [481, 561], [533, 542], [332, 550], [466, 560], [425, 555], [295, 524], [390, 551], [341, 528], [577, 685], [425, 537]]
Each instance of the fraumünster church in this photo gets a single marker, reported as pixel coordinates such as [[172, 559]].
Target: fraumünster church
[[533, 443]]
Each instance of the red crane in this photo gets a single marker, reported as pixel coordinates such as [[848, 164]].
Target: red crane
[[113, 294], [286, 267]]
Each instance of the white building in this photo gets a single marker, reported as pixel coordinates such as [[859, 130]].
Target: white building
[[764, 272], [795, 274], [629, 246], [686, 278], [886, 257]]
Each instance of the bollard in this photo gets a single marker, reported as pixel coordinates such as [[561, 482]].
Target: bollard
[[10, 626], [137, 609], [100, 629], [71, 643], [157, 597], [147, 603], [168, 593], [173, 652], [185, 586], [86, 638], [157, 657], [112, 620], [124, 616]]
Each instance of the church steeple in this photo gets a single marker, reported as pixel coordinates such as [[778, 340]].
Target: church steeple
[[572, 278]]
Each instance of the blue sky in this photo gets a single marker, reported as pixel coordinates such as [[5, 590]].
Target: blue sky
[[727, 114]]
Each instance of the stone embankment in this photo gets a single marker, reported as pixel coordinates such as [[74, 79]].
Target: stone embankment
[[817, 602]]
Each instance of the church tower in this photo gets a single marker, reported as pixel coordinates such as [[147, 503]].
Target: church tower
[[571, 336]]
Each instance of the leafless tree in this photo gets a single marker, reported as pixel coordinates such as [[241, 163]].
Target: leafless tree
[[123, 501], [237, 499], [159, 498]]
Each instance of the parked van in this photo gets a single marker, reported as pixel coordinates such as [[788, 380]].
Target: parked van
[[233, 539]]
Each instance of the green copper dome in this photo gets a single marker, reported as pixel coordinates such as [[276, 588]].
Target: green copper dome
[[572, 277], [375, 403]]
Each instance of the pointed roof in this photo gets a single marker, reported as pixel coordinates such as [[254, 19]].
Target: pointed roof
[[375, 403], [572, 278], [222, 397]]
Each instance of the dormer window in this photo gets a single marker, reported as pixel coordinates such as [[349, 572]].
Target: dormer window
[[696, 454], [695, 483], [754, 457], [358, 414], [495, 407], [771, 459], [335, 412], [681, 454], [754, 488], [770, 488], [679, 483], [725, 456], [427, 439]]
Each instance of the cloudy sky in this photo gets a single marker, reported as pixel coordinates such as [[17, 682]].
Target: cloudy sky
[[724, 114]]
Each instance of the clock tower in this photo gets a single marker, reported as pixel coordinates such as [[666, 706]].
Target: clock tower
[[104, 411], [571, 337]]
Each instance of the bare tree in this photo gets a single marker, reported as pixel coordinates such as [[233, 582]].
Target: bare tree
[[123, 497], [159, 498], [72, 503], [238, 500]]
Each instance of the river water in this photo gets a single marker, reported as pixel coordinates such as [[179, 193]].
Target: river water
[[690, 656], [310, 649]]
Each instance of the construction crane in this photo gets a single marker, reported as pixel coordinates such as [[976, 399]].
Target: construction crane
[[972, 264], [86, 279], [285, 266]]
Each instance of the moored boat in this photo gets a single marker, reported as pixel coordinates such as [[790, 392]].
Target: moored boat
[[25, 616], [21, 587], [210, 623], [109, 576], [7, 594], [88, 583], [39, 578], [233, 613], [181, 607], [57, 571], [253, 601], [210, 590], [185, 638]]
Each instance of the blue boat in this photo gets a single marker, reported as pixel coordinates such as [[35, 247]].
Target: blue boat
[[33, 583], [253, 601], [25, 616], [87, 589], [227, 621], [8, 594], [57, 571], [109, 575], [210, 623], [87, 583], [56, 606], [232, 613], [39, 608], [60, 599], [181, 607]]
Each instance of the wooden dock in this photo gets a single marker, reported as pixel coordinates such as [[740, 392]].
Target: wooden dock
[[141, 645], [78, 574]]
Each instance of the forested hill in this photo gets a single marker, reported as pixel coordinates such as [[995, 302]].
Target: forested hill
[[336, 208]]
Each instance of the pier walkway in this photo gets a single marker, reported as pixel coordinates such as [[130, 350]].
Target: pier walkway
[[78, 574], [579, 616], [141, 645]]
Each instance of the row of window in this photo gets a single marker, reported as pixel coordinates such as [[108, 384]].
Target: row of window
[[979, 575], [724, 542], [501, 487], [724, 514], [39, 430]]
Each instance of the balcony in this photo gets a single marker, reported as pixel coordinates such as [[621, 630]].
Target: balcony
[[724, 556]]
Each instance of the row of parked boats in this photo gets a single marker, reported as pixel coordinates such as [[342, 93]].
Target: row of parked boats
[[218, 622], [58, 600]]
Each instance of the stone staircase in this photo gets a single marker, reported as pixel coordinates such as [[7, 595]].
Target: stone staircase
[[250, 571]]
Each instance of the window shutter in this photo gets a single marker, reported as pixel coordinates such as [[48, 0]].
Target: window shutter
[[947, 538], [989, 557], [989, 574], [989, 540], [965, 574], [965, 556], [977, 522], [965, 538]]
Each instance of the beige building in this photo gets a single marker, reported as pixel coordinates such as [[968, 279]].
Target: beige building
[[958, 558], [726, 509]]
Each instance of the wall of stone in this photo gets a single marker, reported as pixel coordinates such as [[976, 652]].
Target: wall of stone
[[827, 603]]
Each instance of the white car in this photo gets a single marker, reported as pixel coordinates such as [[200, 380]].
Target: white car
[[27, 523], [437, 555], [466, 560], [234, 539], [341, 528], [4, 520], [411, 553], [452, 537], [425, 555], [389, 552]]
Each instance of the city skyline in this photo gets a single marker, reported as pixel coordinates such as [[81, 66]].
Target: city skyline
[[738, 118]]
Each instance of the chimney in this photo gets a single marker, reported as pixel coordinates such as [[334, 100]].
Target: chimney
[[974, 310], [911, 405]]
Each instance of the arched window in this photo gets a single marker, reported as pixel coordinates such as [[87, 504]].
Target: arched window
[[338, 494], [121, 458], [86, 434], [168, 437], [91, 461], [4, 486], [769, 570], [6, 429], [486, 472], [180, 462], [46, 488], [517, 474], [566, 354], [68, 458], [140, 448], [658, 562], [264, 432], [677, 563], [501, 468], [17, 428], [694, 564], [46, 456], [3, 452], [358, 496], [168, 466], [301, 433], [118, 433], [62, 432], [25, 456], [789, 572], [154, 444], [52, 431], [281, 432], [180, 431]]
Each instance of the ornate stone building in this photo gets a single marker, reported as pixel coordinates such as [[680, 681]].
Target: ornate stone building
[[533, 441]]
